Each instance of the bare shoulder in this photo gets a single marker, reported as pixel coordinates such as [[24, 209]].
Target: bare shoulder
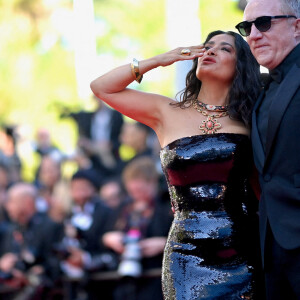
[[178, 122]]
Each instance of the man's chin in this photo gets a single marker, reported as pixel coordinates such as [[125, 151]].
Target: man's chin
[[264, 61]]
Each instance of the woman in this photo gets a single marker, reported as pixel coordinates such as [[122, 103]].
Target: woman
[[206, 157]]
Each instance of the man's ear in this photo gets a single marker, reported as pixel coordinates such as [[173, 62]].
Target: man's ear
[[297, 30]]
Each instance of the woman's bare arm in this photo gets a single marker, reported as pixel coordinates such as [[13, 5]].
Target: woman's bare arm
[[147, 108]]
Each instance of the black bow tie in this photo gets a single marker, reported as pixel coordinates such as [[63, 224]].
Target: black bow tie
[[276, 75]]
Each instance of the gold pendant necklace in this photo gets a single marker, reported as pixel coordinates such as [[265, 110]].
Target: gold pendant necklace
[[211, 124]]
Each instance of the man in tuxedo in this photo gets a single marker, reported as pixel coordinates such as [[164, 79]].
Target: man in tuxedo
[[272, 29], [81, 250]]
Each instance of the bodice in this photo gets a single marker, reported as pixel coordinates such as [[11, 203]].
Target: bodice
[[203, 171]]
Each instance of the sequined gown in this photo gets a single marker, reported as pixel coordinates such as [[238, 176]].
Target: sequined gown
[[212, 244]]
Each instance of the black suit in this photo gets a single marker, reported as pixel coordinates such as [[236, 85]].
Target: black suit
[[85, 122], [90, 241], [103, 219], [277, 158], [38, 237]]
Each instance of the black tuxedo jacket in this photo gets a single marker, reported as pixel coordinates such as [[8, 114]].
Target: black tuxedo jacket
[[39, 236], [279, 165], [84, 121], [103, 219]]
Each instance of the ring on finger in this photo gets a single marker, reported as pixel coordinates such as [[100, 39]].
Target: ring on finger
[[185, 52]]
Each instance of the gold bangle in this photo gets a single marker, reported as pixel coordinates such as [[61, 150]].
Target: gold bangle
[[136, 71]]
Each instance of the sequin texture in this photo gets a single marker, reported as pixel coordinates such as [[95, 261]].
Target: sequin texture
[[209, 253]]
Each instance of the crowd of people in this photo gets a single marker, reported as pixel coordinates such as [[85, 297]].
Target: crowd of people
[[58, 232]]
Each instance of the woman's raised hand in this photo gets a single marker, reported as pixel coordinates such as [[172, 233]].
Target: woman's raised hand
[[180, 53]]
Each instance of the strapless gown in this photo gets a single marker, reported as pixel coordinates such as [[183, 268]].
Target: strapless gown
[[212, 248]]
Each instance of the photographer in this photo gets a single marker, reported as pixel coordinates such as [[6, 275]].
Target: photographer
[[81, 250], [140, 232], [25, 244]]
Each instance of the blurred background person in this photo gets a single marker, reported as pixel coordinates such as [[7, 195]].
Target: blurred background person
[[136, 141], [146, 217], [98, 138], [48, 175], [5, 182], [25, 244], [81, 250], [60, 202], [44, 145], [139, 140], [9, 156], [112, 193]]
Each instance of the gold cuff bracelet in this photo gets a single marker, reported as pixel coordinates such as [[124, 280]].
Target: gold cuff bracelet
[[136, 71]]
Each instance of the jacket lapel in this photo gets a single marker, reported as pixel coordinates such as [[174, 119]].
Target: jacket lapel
[[283, 97], [258, 151]]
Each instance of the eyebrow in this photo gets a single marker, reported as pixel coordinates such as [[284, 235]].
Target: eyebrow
[[222, 43]]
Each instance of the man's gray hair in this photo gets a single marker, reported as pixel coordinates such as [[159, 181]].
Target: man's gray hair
[[289, 7]]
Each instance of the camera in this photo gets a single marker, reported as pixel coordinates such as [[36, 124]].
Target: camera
[[130, 264]]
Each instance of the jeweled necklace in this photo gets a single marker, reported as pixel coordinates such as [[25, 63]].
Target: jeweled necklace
[[210, 125], [212, 107]]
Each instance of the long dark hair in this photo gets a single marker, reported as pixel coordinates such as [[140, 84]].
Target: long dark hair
[[245, 87]]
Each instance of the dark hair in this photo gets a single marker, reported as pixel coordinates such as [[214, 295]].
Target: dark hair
[[89, 175], [245, 87]]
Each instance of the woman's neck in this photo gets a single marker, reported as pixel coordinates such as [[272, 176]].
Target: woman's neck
[[214, 94]]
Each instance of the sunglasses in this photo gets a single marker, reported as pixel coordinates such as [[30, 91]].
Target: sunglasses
[[262, 24]]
